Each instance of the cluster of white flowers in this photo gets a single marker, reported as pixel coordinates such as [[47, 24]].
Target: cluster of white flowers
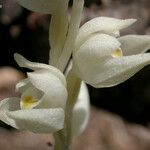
[[99, 57]]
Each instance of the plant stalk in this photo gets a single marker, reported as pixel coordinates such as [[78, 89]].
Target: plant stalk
[[63, 138], [72, 34]]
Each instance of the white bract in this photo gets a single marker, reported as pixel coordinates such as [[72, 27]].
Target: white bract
[[102, 59], [81, 111], [43, 97]]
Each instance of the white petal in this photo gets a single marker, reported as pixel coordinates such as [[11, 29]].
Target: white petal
[[117, 70], [23, 62], [101, 25], [134, 44], [42, 6], [9, 104], [38, 120], [55, 92], [23, 85], [98, 46], [81, 111], [94, 51]]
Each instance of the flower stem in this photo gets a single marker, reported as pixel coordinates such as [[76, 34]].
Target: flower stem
[[57, 32], [72, 34], [64, 137]]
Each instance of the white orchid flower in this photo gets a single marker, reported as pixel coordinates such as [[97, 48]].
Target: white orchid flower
[[103, 60], [43, 97]]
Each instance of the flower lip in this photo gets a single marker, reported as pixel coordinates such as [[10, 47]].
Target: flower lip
[[28, 101], [31, 98]]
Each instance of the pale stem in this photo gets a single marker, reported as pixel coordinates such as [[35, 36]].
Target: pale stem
[[57, 32], [64, 137], [72, 34], [59, 141]]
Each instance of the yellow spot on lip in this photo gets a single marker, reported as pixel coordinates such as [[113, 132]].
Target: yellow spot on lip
[[117, 53], [28, 102]]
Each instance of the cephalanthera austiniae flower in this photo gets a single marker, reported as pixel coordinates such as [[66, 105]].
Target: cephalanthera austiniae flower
[[102, 59], [43, 97], [40, 108]]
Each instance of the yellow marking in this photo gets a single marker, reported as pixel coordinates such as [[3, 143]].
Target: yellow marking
[[28, 102], [117, 53]]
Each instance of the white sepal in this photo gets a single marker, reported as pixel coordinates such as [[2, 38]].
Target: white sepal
[[22, 85], [38, 120], [134, 44], [116, 70], [55, 92], [81, 111], [42, 6], [100, 25], [9, 104], [23, 62], [98, 46], [35, 120]]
